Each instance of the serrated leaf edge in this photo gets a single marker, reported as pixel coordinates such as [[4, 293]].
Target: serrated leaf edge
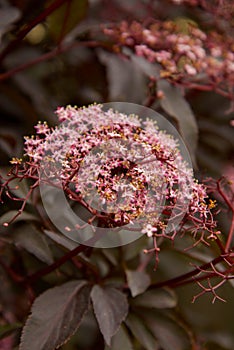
[[69, 337]]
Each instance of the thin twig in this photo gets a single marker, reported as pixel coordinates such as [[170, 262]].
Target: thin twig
[[56, 51], [26, 29], [186, 277]]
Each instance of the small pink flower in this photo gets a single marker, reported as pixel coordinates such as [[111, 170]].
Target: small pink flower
[[41, 128], [149, 230], [190, 69]]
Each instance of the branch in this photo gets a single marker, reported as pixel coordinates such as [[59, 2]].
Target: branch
[[230, 235], [224, 196], [56, 264], [23, 32], [56, 51], [14, 276], [186, 278], [211, 289], [231, 207]]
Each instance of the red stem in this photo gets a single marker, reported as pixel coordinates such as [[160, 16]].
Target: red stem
[[205, 87], [14, 276], [226, 199], [198, 279], [47, 56], [231, 206], [56, 264], [186, 278], [230, 235], [23, 32], [66, 17]]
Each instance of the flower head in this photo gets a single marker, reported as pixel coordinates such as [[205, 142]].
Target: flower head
[[127, 175], [185, 56], [124, 169]]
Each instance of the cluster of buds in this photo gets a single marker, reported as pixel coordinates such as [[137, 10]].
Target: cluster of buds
[[191, 57], [122, 169], [217, 9]]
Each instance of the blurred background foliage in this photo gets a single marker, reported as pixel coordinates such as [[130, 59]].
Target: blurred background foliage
[[47, 66]]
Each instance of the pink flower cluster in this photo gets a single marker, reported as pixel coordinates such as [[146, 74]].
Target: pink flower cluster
[[188, 57], [222, 9], [122, 169]]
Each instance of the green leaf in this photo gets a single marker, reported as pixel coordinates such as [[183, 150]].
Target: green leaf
[[24, 216], [7, 329], [110, 308], [158, 298], [184, 24], [170, 334], [55, 316], [177, 107], [120, 340], [66, 17], [27, 237], [141, 333], [138, 281], [62, 240]]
